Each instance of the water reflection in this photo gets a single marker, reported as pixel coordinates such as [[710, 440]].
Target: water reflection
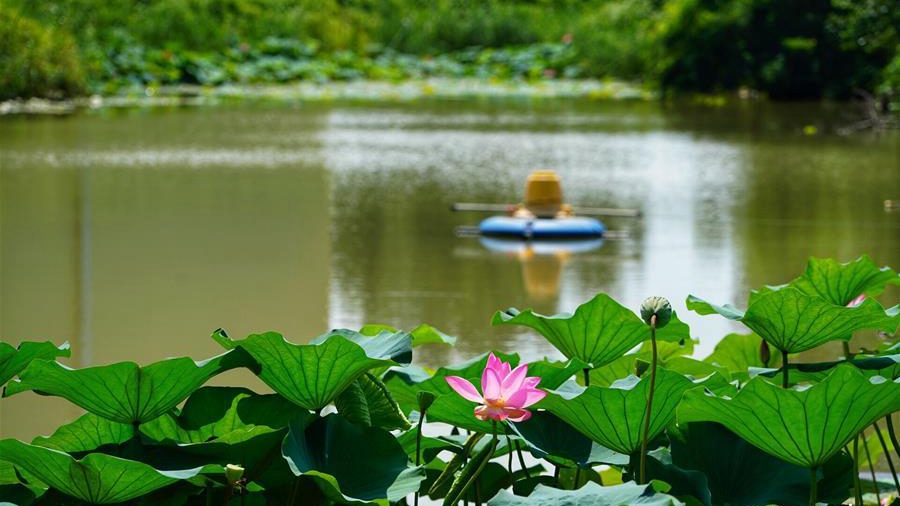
[[135, 233]]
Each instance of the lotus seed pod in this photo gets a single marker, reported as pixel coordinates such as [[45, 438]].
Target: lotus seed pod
[[233, 473], [425, 400], [658, 306]]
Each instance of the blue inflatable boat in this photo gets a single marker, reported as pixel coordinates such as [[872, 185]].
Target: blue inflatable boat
[[541, 228]]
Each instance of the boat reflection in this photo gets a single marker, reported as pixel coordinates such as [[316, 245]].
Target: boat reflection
[[542, 261]]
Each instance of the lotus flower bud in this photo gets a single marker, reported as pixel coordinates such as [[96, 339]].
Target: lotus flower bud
[[425, 400], [658, 306], [764, 354], [233, 473]]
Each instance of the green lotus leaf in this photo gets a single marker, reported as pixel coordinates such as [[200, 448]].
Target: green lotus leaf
[[551, 438], [14, 360], [15, 491], [739, 473], [555, 373], [805, 427], [613, 416], [350, 463], [423, 334], [125, 392], [592, 494], [793, 321], [214, 412], [600, 331], [88, 432], [839, 283], [312, 375], [452, 409], [739, 352], [367, 401], [96, 478], [610, 373]]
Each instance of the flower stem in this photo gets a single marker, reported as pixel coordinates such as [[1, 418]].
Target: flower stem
[[857, 486], [509, 448], [646, 431], [522, 461], [887, 455], [892, 434], [419, 448], [813, 485], [784, 370], [871, 468]]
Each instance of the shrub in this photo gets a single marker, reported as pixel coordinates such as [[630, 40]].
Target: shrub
[[36, 61]]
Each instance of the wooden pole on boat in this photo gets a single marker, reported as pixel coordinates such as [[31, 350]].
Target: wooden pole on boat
[[508, 208]]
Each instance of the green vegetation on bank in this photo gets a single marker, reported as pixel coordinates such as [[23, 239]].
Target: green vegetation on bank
[[831, 48]]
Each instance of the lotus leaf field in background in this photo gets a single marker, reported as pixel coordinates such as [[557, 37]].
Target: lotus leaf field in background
[[351, 421]]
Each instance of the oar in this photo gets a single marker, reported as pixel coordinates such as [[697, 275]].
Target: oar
[[507, 208]]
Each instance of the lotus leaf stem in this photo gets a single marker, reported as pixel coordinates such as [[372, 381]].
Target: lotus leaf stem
[[857, 486], [784, 370], [892, 434], [887, 455], [871, 469], [522, 461], [419, 448], [646, 431], [813, 485]]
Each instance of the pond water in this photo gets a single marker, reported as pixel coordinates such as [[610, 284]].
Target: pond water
[[135, 233]]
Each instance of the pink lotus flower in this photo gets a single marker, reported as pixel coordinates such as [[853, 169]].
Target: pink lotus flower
[[857, 301], [505, 393]]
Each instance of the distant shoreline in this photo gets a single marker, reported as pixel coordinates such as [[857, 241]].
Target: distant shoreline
[[340, 91]]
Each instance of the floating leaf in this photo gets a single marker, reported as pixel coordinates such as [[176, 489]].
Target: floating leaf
[[96, 478], [839, 283], [600, 331], [592, 494], [804, 427], [88, 432], [367, 401], [14, 360], [550, 437], [350, 463], [125, 392], [312, 375], [793, 321], [613, 416]]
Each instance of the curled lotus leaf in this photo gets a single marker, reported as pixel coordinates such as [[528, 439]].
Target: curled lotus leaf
[[125, 392], [312, 375], [14, 359], [803, 426], [597, 333], [613, 416]]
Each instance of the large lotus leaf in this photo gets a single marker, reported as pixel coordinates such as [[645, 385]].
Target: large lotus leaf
[[367, 401], [15, 491], [423, 334], [839, 283], [14, 360], [600, 331], [405, 382], [88, 432], [312, 375], [592, 494], [350, 463], [740, 352], [125, 392], [739, 473], [214, 412], [805, 427], [614, 416], [793, 321], [96, 478], [551, 438]]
